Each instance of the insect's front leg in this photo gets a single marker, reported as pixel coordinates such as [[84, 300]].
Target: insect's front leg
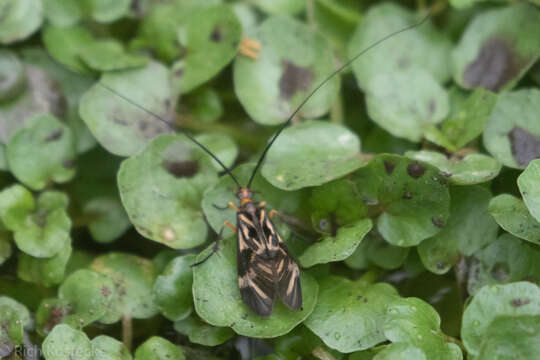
[[272, 212]]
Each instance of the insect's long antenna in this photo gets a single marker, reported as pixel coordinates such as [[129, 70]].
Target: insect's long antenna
[[346, 64], [204, 148]]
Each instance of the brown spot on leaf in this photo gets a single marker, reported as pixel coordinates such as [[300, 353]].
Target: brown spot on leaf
[[389, 167], [525, 146], [495, 65], [293, 79], [416, 170], [105, 291], [407, 196], [432, 106], [437, 222], [216, 35], [500, 272], [441, 265], [55, 317], [68, 163], [55, 135], [181, 168], [520, 302], [120, 121]]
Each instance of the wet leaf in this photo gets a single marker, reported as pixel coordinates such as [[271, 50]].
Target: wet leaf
[[418, 102], [200, 332], [107, 348], [294, 60], [311, 153], [468, 170], [132, 278], [157, 348], [497, 48], [162, 187], [399, 351], [421, 48], [512, 215], [349, 315], [109, 219], [172, 289], [13, 75], [218, 302], [121, 127], [528, 186], [20, 19], [336, 248], [48, 271], [512, 300], [410, 197], [415, 322], [65, 343], [469, 228], [513, 132], [42, 152], [381, 253]]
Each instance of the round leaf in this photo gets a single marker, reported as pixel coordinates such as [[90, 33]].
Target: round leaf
[[284, 7], [157, 348], [5, 248], [63, 12], [12, 76], [292, 61], [497, 48], [528, 186], [411, 197], [516, 299], [469, 229], [15, 199], [161, 189], [172, 289], [350, 314], [106, 11], [218, 300], [65, 45], [381, 253], [107, 348], [133, 278], [399, 351], [469, 170], [311, 153], [121, 127], [513, 132], [50, 313], [11, 331], [109, 219], [200, 332], [512, 215], [47, 272], [66, 343], [417, 101], [42, 152], [20, 19], [109, 55], [336, 248]]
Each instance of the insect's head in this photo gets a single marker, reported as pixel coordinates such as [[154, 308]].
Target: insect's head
[[244, 195]]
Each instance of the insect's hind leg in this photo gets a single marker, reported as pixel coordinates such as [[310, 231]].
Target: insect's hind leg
[[216, 243]]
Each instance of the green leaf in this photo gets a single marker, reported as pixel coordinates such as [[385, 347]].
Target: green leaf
[[42, 152], [200, 332], [415, 322], [294, 60], [528, 186], [109, 55], [337, 248], [421, 48], [19, 308], [107, 348], [513, 132], [109, 220], [133, 277], [506, 34], [222, 146], [172, 289], [411, 197], [50, 313], [210, 40], [218, 302], [512, 300], [204, 105], [12, 75], [15, 199], [106, 11], [89, 294], [282, 7], [468, 170], [467, 120], [5, 247], [48, 272], [349, 315], [399, 351], [503, 261], [162, 187], [63, 13], [381, 253], [469, 229], [66, 343], [223, 192], [157, 348], [512, 337], [311, 153], [13, 319], [121, 127], [65, 45], [20, 19], [418, 102], [512, 215]]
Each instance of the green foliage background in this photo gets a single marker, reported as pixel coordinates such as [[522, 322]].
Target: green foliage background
[[408, 186]]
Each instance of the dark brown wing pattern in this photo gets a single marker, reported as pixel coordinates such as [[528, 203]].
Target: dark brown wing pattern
[[265, 269]]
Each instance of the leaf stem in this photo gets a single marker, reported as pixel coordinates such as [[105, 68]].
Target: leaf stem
[[127, 331], [336, 112], [370, 276]]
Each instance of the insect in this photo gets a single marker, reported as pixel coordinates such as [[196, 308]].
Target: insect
[[266, 271]]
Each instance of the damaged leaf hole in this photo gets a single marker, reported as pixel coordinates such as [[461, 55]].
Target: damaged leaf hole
[[55, 135], [416, 170], [216, 35], [180, 169], [437, 222], [524, 145], [294, 78], [389, 167], [519, 302]]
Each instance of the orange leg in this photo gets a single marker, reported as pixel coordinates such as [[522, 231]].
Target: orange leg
[[231, 204], [230, 226], [262, 204], [250, 48], [272, 213]]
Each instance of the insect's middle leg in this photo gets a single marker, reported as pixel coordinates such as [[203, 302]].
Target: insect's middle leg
[[216, 243]]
